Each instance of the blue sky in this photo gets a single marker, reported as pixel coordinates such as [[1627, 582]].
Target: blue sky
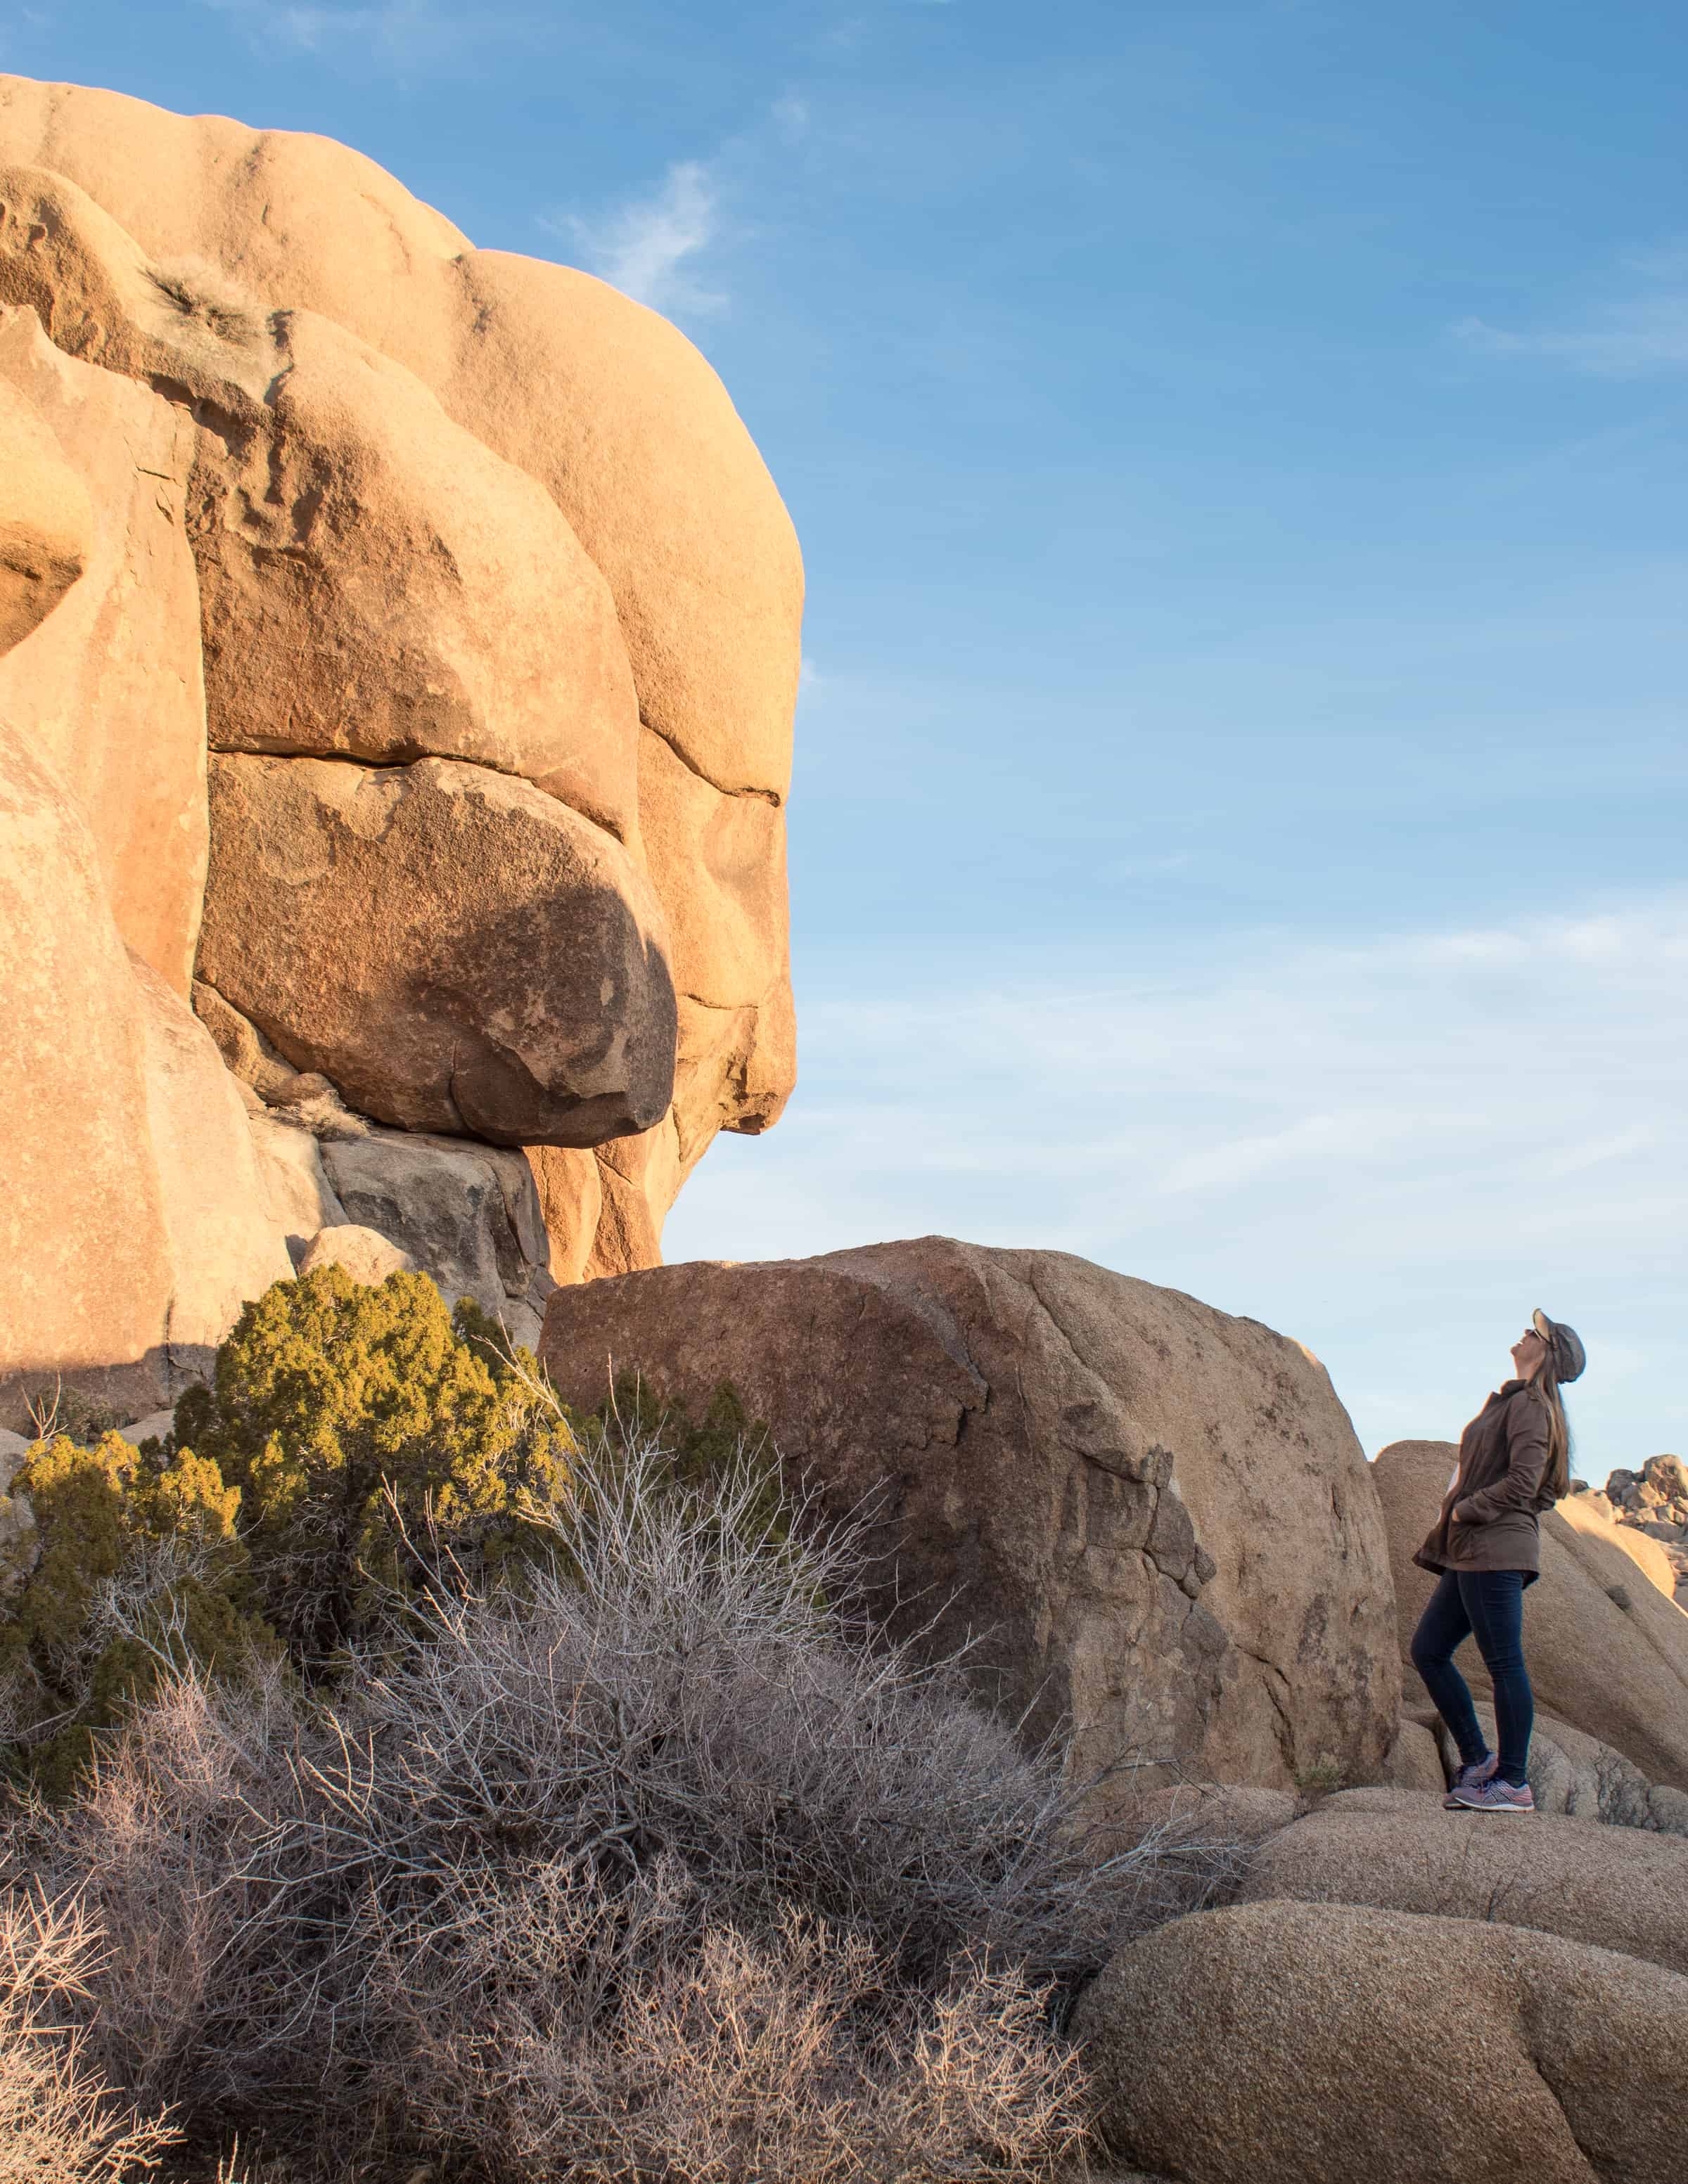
[[1239, 453]]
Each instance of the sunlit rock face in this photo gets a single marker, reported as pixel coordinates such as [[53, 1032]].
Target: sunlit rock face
[[1151, 1520], [403, 643]]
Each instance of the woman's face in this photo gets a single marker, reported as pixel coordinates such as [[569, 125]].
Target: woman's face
[[1528, 1353]]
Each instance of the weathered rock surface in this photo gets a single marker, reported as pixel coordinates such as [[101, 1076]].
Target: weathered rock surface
[[1588, 1514], [499, 642], [1607, 1652], [456, 951], [1416, 1762], [1617, 1888], [223, 1247], [467, 1215], [46, 522], [1649, 1509], [1226, 1815], [1154, 1518], [131, 1227], [85, 1275], [365, 1255], [153, 1427], [296, 1194], [1314, 2043], [110, 690], [512, 432], [17, 1552], [608, 405]]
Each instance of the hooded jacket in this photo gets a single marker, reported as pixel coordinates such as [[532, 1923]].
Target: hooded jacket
[[1490, 1515]]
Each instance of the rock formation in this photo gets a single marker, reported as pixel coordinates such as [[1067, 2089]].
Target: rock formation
[[1608, 1649], [1617, 1888], [1288, 2042], [400, 646], [1651, 1505], [1154, 1520]]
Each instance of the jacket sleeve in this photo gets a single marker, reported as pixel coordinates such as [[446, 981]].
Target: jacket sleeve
[[1526, 1462]]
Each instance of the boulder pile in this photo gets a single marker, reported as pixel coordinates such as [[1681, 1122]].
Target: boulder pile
[[1654, 1501], [400, 642]]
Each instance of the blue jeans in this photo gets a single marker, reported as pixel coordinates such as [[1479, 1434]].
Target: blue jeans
[[1490, 1603]]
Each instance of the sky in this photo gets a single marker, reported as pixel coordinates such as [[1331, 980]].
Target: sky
[[1239, 453]]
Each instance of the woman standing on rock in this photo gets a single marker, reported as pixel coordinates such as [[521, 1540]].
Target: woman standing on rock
[[1515, 1462]]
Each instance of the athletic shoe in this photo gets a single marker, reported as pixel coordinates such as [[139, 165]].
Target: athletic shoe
[[1471, 1778], [1494, 1796]]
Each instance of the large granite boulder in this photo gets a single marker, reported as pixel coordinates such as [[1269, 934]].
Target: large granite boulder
[[85, 1266], [1314, 2043], [47, 521], [512, 433], [1608, 1650], [498, 645], [1153, 1519], [421, 677], [453, 949], [110, 690], [612, 409], [131, 1227], [1616, 1887], [223, 1246]]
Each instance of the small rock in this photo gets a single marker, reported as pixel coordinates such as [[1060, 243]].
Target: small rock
[[366, 1254], [153, 1427], [1669, 1475]]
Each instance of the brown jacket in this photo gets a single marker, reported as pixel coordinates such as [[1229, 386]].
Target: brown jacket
[[1498, 1494]]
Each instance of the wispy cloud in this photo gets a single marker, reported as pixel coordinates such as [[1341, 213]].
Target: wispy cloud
[[647, 246], [1637, 327], [1388, 1148], [401, 34], [792, 117]]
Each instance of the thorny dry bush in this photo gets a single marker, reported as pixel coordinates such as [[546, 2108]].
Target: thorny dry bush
[[662, 1868], [58, 2123]]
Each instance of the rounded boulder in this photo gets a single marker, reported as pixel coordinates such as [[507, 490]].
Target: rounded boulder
[[1620, 1888], [1317, 2043]]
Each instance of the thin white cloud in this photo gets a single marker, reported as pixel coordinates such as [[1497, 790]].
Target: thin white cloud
[[1637, 328], [402, 34], [647, 246], [1394, 1145], [792, 117]]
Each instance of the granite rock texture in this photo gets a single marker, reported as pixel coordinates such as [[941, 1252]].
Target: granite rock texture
[[1153, 1519]]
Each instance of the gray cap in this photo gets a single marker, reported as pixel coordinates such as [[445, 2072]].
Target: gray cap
[[1564, 1345]]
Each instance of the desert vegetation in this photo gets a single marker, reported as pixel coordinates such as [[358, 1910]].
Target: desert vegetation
[[404, 1768]]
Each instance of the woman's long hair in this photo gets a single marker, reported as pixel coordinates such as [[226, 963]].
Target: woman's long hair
[[1556, 1480]]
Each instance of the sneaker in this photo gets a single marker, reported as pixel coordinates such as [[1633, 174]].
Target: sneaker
[[1471, 1778], [1495, 1795]]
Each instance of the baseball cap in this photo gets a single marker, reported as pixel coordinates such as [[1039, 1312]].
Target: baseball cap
[[1564, 1345]]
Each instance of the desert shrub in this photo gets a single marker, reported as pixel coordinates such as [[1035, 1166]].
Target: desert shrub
[[795, 2055], [659, 1865], [133, 1570], [58, 2123], [74, 1412], [357, 1422], [358, 1445]]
